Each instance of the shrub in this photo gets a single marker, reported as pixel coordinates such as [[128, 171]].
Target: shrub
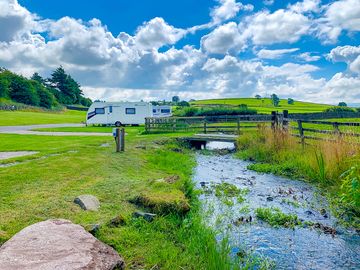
[[339, 109]]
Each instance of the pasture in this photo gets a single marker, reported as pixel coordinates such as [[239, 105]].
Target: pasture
[[264, 105]]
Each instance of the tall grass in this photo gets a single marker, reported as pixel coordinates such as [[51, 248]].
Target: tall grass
[[321, 162]]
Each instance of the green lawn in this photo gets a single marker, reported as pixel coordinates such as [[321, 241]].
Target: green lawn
[[264, 105], [14, 118], [44, 186]]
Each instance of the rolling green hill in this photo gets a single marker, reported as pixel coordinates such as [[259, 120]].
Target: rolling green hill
[[264, 105]]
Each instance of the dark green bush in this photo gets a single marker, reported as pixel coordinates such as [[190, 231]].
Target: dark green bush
[[339, 109], [193, 111]]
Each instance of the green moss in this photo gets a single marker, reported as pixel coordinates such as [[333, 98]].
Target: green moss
[[276, 218]]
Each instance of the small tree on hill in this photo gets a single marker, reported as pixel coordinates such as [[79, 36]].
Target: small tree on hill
[[342, 104], [290, 101], [275, 100], [257, 96], [175, 99]]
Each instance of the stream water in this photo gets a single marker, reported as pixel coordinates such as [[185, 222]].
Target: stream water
[[310, 247]]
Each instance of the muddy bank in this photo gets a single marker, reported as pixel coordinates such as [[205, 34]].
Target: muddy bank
[[231, 196]]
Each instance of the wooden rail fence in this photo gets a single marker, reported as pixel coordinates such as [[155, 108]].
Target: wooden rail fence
[[234, 124]]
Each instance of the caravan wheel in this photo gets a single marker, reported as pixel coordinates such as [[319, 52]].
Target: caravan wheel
[[118, 124]]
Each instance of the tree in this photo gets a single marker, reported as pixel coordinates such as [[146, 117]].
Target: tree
[[183, 104], [21, 90], [46, 98], [257, 96], [175, 99], [4, 83], [342, 104], [290, 101], [38, 78], [85, 101], [275, 100], [64, 87]]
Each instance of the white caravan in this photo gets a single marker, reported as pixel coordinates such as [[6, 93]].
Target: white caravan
[[123, 113], [161, 111]]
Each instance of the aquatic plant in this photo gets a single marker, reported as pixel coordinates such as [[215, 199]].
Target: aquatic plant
[[276, 218], [225, 191]]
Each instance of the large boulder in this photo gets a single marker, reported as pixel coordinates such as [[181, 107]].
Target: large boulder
[[87, 202], [57, 244]]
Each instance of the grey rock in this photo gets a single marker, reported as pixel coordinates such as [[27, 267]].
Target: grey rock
[[87, 202], [94, 228], [147, 216], [57, 244]]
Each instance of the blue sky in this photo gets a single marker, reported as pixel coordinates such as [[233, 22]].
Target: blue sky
[[131, 50]]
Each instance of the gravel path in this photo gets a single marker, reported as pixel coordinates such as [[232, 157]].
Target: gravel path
[[29, 130]]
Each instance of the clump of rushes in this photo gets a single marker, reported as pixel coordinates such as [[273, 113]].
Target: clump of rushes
[[227, 190], [276, 218]]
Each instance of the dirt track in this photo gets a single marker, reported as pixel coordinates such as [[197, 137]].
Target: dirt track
[[29, 130]]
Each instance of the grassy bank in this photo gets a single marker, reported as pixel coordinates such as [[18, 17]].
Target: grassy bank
[[152, 168], [333, 166], [15, 118]]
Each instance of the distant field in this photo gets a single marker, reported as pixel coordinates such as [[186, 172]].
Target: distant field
[[264, 105], [14, 118]]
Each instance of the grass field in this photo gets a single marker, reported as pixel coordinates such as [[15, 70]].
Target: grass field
[[44, 186], [14, 118], [264, 105]]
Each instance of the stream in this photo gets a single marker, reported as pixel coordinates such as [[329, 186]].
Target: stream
[[325, 245]]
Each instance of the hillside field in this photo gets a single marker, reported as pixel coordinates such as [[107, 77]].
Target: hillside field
[[264, 105], [15, 118]]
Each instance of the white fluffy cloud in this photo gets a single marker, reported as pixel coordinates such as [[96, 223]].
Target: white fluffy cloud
[[275, 54], [348, 54], [308, 57], [228, 9], [131, 67], [225, 38], [157, 33], [15, 20], [339, 16], [281, 26], [306, 6]]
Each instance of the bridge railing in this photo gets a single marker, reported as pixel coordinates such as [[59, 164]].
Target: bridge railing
[[232, 124]]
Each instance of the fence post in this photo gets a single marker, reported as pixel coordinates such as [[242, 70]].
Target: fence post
[[336, 129], [122, 139], [117, 139], [205, 127], [301, 132], [285, 121], [238, 125], [273, 119]]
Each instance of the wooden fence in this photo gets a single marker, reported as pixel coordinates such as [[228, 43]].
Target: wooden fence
[[206, 124], [235, 124], [335, 131]]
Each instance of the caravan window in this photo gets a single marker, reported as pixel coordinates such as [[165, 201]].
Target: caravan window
[[130, 110], [99, 110], [110, 109], [165, 110], [154, 110]]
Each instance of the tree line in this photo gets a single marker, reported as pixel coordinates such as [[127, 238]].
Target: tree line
[[59, 89]]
